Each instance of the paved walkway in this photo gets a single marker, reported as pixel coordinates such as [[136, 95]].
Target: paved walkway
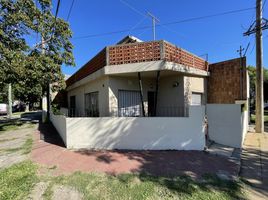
[[254, 161], [48, 151]]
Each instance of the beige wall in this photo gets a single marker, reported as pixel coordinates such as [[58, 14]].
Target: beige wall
[[100, 85], [128, 83], [168, 95], [198, 85]]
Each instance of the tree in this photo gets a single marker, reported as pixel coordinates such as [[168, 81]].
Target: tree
[[252, 79], [30, 69], [16, 19]]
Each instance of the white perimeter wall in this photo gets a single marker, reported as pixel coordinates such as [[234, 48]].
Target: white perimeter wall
[[59, 122], [227, 124], [154, 133]]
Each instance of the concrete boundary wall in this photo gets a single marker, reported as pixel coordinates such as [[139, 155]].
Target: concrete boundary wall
[[59, 122], [137, 133], [227, 124]]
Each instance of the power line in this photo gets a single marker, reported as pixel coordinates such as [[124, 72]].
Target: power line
[[210, 16], [70, 10], [169, 23], [263, 5], [57, 9], [132, 8]]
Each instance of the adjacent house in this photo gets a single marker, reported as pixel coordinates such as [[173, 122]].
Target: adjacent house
[[153, 95]]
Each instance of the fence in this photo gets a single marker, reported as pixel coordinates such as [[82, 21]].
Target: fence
[[133, 111], [152, 133]]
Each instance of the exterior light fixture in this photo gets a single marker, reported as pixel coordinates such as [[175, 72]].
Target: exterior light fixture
[[175, 84]]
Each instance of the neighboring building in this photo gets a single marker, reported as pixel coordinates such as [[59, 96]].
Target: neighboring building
[[135, 78]]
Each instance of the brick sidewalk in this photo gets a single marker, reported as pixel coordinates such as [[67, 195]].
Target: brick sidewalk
[[47, 152], [254, 161]]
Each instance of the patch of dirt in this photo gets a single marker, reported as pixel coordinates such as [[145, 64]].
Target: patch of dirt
[[9, 159], [65, 193], [38, 191], [12, 141]]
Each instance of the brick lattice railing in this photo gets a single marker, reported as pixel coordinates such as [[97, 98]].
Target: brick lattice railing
[[152, 51], [180, 56], [134, 53], [138, 52]]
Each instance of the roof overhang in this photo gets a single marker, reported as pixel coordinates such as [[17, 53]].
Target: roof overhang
[[133, 68]]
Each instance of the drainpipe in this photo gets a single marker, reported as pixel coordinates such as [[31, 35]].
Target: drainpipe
[[141, 94]]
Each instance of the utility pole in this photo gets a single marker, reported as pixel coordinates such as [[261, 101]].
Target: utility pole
[[257, 27], [9, 101], [48, 84], [259, 70], [154, 19], [240, 51]]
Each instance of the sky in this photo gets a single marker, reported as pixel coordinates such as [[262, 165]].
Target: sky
[[220, 37]]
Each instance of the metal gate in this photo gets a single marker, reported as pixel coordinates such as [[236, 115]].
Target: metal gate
[[129, 103]]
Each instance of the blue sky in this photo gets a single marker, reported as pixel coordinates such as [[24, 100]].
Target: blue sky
[[219, 37]]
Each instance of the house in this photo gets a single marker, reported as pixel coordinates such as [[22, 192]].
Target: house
[[135, 78], [153, 95]]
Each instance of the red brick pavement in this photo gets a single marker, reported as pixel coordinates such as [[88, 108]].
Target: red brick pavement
[[163, 163]]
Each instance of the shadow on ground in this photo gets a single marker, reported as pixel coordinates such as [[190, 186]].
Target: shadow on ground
[[254, 162]]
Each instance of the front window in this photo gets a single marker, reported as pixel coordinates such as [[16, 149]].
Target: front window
[[92, 104], [196, 99]]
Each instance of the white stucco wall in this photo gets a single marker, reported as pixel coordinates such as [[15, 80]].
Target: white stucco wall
[[59, 122], [155, 133], [227, 124], [99, 85]]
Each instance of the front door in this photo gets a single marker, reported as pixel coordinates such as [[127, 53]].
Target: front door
[[151, 104], [72, 106]]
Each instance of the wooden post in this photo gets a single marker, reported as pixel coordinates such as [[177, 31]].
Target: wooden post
[[259, 70]]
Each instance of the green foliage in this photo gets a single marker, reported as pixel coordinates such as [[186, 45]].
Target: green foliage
[[17, 181], [30, 69], [56, 109], [252, 80]]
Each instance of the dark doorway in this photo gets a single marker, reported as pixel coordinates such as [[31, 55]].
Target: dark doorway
[[72, 106], [151, 104]]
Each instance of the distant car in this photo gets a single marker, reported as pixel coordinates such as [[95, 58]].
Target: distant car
[[265, 106], [3, 108], [18, 107]]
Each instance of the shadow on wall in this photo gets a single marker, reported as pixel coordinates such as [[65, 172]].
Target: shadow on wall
[[266, 127], [135, 133], [49, 134]]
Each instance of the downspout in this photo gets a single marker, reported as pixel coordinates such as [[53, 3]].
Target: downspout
[[141, 94]]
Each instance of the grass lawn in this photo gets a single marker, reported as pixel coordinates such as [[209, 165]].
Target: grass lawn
[[129, 186], [253, 117], [17, 181], [14, 125]]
